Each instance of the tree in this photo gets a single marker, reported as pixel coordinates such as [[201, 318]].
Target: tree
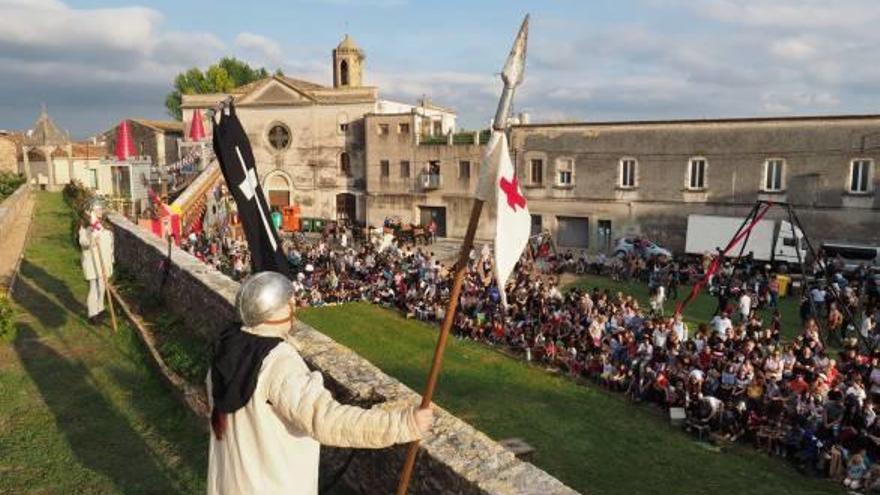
[[226, 75]]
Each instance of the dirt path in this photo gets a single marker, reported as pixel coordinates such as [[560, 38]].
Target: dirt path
[[12, 245]]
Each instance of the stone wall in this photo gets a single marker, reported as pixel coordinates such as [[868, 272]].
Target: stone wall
[[456, 459], [11, 208]]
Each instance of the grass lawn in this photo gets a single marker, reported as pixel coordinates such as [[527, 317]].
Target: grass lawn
[[594, 441], [700, 310], [81, 411]]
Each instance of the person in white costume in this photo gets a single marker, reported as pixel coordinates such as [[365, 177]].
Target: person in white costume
[[96, 242], [270, 413]]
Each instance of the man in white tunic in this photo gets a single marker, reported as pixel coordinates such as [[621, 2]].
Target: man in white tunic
[[270, 413], [96, 242]]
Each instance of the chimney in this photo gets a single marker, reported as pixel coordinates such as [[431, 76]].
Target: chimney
[[124, 143]]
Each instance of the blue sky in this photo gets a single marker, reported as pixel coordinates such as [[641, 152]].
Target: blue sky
[[95, 62]]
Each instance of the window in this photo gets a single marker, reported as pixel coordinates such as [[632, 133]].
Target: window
[[343, 73], [565, 172], [92, 178], [403, 128], [434, 167], [464, 170], [383, 129], [345, 164], [438, 128], [773, 169], [604, 234], [343, 128], [697, 173], [628, 172], [121, 181], [536, 171], [860, 176], [384, 169], [537, 225], [279, 137], [404, 169]]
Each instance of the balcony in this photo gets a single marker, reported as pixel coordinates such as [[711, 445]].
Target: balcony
[[430, 181]]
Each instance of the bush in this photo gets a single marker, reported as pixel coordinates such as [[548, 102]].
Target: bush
[[7, 317], [76, 196], [9, 182]]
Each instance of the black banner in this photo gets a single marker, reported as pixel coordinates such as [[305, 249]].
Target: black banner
[[236, 159]]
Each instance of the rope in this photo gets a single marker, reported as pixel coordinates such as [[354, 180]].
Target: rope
[[695, 290]]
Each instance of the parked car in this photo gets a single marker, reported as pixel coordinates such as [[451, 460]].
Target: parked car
[[644, 247]]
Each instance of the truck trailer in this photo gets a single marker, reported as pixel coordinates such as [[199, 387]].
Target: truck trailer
[[769, 240]]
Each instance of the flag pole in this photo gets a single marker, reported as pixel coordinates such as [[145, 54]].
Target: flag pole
[[512, 75]]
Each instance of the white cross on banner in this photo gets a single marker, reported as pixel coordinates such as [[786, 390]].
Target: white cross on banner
[[249, 189]]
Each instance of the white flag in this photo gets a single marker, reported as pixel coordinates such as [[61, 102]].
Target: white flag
[[513, 222]]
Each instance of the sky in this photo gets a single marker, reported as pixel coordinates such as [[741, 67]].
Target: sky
[[95, 62]]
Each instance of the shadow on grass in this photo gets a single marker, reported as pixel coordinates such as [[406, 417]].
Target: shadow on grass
[[99, 436], [177, 425], [51, 315], [52, 285]]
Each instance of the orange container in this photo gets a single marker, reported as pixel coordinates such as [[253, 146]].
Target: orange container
[[290, 218]]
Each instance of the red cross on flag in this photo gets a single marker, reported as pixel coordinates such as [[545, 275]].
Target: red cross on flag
[[513, 222]]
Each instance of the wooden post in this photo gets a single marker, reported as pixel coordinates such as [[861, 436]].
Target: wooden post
[[448, 318], [512, 76], [107, 287]]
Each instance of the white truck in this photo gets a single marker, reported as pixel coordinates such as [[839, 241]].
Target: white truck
[[769, 240]]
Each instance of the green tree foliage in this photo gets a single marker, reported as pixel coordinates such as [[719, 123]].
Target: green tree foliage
[[9, 182], [225, 75]]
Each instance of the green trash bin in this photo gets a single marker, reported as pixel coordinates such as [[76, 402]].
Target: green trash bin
[[307, 224], [318, 225]]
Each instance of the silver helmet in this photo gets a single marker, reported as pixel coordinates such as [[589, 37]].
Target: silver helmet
[[261, 295], [95, 203]]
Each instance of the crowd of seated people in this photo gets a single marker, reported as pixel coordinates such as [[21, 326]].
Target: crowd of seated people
[[735, 374]]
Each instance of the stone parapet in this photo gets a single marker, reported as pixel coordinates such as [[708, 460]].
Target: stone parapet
[[11, 208], [456, 459]]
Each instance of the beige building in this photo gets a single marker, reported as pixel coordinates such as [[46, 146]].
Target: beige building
[[308, 139], [416, 179], [10, 152], [590, 183], [40, 148]]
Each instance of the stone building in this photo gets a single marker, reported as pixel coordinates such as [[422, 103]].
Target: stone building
[[40, 147], [590, 183], [417, 179], [157, 140], [308, 139], [10, 152], [85, 161]]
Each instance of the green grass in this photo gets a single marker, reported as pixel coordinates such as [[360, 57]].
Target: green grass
[[700, 310], [594, 441], [81, 411]]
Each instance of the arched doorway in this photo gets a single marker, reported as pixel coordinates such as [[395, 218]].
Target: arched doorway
[[346, 208], [278, 190]]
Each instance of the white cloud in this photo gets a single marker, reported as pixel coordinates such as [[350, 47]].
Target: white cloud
[[792, 14], [793, 48], [118, 58], [264, 47]]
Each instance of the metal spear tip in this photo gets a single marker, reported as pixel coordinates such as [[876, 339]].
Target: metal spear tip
[[512, 74]]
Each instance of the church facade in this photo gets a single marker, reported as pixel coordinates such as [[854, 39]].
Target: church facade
[[309, 139]]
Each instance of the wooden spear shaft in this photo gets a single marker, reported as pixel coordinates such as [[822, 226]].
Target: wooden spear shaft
[[512, 76], [460, 271], [107, 288]]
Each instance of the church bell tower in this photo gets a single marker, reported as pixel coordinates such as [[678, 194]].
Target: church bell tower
[[348, 64]]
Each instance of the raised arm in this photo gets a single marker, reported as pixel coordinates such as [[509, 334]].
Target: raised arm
[[301, 399]]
